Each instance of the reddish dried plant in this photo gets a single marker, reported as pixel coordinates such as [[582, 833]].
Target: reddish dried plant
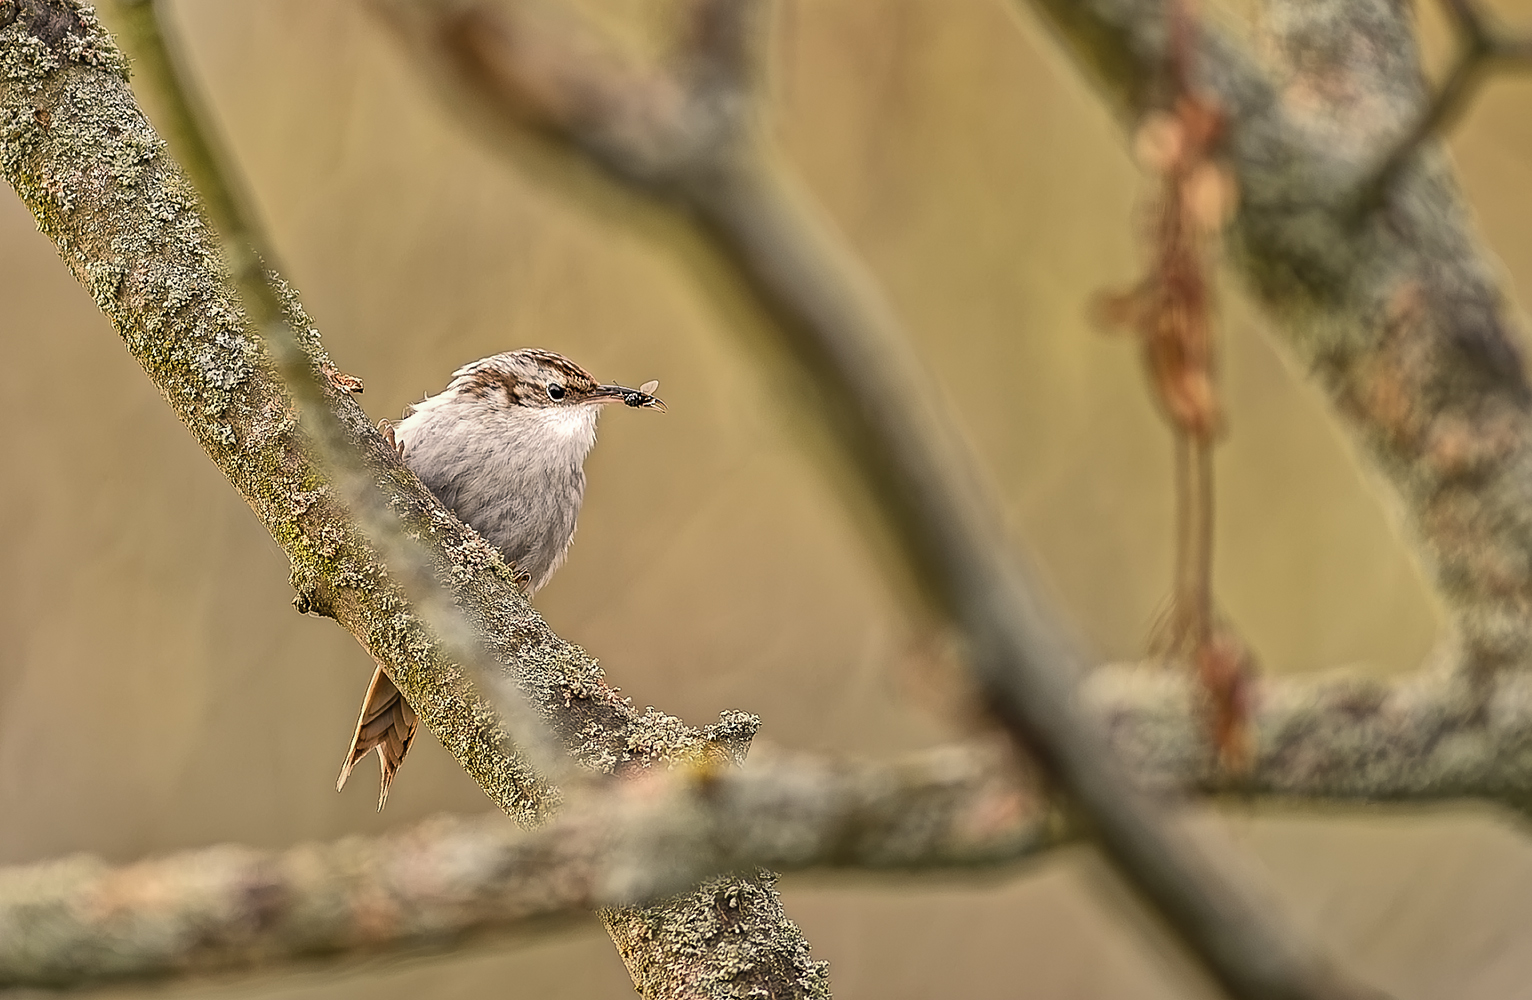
[[1170, 311]]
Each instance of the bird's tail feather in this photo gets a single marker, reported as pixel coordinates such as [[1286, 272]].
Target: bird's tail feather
[[386, 724]]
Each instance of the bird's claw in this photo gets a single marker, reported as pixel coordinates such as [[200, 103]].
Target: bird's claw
[[386, 428]]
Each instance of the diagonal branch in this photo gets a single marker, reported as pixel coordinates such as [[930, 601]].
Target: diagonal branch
[[827, 315], [95, 176], [252, 265]]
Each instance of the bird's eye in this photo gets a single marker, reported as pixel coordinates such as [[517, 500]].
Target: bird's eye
[[555, 391]]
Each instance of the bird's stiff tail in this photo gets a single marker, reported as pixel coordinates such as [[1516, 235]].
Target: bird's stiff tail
[[387, 725]]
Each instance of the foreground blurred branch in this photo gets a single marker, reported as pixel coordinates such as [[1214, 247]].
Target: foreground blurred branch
[[77, 921], [312, 383], [685, 132]]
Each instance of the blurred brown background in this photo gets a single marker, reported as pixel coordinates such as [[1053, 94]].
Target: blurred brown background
[[157, 691]]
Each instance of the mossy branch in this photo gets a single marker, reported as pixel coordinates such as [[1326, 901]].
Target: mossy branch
[[97, 178], [449, 882]]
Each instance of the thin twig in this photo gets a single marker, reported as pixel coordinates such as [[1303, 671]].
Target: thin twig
[[1483, 48]]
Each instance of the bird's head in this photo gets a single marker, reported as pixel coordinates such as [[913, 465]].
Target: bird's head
[[543, 380]]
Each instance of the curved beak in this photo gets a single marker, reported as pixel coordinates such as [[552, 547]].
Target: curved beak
[[641, 398]]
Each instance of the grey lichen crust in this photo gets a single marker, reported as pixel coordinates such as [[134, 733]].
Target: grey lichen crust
[[1438, 735], [97, 179], [734, 922]]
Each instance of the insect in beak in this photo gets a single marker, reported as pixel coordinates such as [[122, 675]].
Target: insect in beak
[[641, 398]]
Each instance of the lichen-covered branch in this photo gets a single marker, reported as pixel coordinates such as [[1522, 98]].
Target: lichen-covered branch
[[78, 921], [1391, 302], [97, 179], [1434, 736], [1483, 47], [251, 260]]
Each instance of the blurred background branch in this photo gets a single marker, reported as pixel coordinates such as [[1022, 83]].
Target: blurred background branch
[[1484, 46], [77, 922], [451, 881], [1397, 313]]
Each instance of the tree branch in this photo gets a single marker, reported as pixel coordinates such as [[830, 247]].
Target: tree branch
[[1483, 47], [1337, 736], [94, 174], [78, 921], [1435, 736], [1395, 309]]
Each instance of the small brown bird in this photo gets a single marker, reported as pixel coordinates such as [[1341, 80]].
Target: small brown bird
[[503, 447]]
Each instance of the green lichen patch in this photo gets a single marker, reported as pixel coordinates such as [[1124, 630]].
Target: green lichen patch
[[722, 940]]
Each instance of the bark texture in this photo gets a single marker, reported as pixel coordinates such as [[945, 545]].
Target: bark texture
[[1435, 736]]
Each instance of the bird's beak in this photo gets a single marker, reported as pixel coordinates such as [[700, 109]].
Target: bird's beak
[[641, 398]]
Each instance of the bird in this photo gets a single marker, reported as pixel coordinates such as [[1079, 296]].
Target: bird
[[503, 447]]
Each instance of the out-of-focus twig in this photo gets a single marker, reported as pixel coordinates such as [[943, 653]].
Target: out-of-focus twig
[[77, 921], [1483, 47], [849, 345]]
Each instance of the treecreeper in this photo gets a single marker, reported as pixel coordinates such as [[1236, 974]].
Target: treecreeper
[[503, 447]]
